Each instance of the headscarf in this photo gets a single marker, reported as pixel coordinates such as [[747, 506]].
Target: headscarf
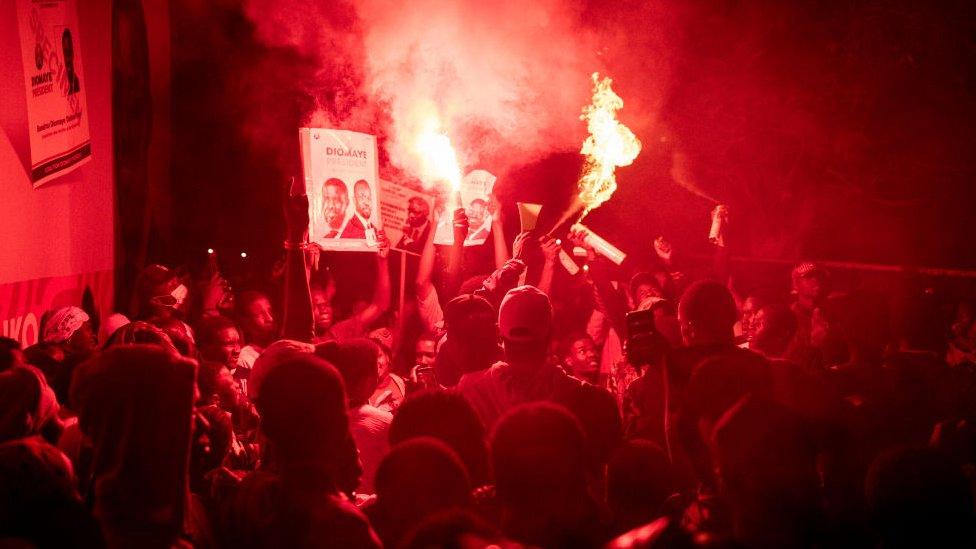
[[63, 323]]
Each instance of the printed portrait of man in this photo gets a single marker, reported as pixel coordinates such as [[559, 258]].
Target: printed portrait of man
[[335, 200], [478, 220], [68, 49], [417, 225], [363, 196]]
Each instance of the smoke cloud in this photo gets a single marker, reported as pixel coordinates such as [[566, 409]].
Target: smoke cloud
[[505, 80]]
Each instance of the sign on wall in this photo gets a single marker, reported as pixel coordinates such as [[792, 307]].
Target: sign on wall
[[57, 109]]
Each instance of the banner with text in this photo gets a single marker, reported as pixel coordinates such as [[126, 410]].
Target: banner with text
[[57, 110], [341, 178]]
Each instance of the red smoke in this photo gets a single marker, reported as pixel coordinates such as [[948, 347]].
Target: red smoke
[[506, 80]]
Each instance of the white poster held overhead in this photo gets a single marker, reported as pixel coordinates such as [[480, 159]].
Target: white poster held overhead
[[57, 109], [341, 178], [476, 190], [406, 216]]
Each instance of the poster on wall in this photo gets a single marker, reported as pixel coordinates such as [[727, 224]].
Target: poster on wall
[[476, 190], [406, 216], [57, 110], [341, 178]]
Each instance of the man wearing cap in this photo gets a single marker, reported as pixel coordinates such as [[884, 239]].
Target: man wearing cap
[[809, 289], [525, 327]]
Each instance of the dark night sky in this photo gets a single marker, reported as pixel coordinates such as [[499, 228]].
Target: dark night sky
[[835, 130]]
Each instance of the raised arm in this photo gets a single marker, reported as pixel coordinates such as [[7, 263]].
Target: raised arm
[[498, 232], [298, 321], [381, 292], [550, 251]]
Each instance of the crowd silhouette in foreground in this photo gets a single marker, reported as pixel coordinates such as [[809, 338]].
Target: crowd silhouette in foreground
[[507, 405]]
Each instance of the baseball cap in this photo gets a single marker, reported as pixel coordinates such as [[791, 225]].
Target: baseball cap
[[804, 270], [468, 314], [525, 314]]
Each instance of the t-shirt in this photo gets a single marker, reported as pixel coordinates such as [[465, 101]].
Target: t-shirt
[[370, 427]]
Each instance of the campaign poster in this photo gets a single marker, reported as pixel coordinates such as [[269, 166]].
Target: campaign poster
[[475, 193], [341, 179], [406, 216], [57, 109]]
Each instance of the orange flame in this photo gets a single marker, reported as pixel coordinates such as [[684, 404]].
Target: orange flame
[[438, 160], [609, 145]]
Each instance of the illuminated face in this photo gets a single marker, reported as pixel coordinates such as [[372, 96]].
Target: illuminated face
[[382, 366], [364, 199], [417, 212], [750, 311], [323, 311], [426, 352], [582, 357], [258, 319], [808, 288], [334, 204], [226, 349]]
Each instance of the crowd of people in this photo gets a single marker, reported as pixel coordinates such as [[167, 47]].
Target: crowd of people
[[507, 405]]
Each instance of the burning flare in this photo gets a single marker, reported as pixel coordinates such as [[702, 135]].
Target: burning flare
[[438, 161], [609, 145]]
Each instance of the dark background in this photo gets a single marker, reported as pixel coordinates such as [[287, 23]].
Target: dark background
[[834, 130]]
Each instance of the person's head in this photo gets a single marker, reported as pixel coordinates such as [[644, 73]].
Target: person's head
[[918, 497], [217, 386], [766, 463], [255, 317], [425, 350], [707, 314], [525, 324], [10, 354], [449, 417], [335, 200], [417, 211], [477, 212], [71, 328], [141, 332], [179, 333], [364, 198], [472, 338], [69, 50], [750, 308], [455, 528], [356, 361], [322, 308], [648, 284], [639, 481], [219, 340], [538, 454], [417, 478], [158, 294], [39, 504], [302, 405], [809, 283], [384, 360], [20, 392], [578, 355], [774, 327]]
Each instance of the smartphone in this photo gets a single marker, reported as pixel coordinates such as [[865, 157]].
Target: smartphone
[[426, 377], [644, 344]]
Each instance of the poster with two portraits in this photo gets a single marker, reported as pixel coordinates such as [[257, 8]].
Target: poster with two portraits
[[341, 178]]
